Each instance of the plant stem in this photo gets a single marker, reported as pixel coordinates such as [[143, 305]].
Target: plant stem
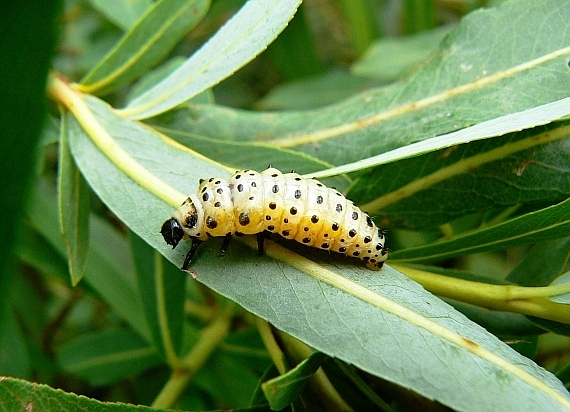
[[211, 337]]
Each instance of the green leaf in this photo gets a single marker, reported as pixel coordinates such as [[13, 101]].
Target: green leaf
[[162, 287], [549, 223], [381, 322], [242, 38], [25, 59], [478, 73], [252, 156], [104, 358], [284, 389], [19, 395], [14, 354], [109, 269], [389, 58], [145, 45], [542, 264], [73, 202], [124, 13], [529, 166], [313, 92]]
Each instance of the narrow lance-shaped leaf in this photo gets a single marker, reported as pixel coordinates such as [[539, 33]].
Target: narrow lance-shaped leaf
[[381, 322], [479, 61], [145, 44], [550, 223], [73, 199], [242, 38]]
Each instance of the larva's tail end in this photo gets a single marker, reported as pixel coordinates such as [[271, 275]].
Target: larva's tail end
[[375, 266]]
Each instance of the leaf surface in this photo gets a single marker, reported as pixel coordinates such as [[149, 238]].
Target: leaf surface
[[242, 38], [381, 322], [480, 72], [145, 45]]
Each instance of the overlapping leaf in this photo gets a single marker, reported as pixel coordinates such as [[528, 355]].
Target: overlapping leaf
[[480, 72], [228, 50], [146, 44], [381, 322]]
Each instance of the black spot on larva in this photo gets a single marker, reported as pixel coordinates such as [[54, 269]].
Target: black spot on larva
[[272, 205], [338, 207], [384, 251], [354, 215], [275, 189], [211, 222], [373, 260], [314, 219], [253, 184], [238, 176], [293, 210], [338, 194], [220, 191], [367, 239], [243, 219], [205, 197], [369, 221], [285, 233], [306, 229], [201, 181], [274, 175], [365, 258], [238, 234], [352, 233], [217, 204], [211, 179], [319, 200], [251, 198], [240, 187], [208, 234], [379, 246], [297, 178], [217, 182], [369, 251], [342, 249], [306, 240], [319, 185], [297, 194], [271, 228], [285, 220], [325, 245], [355, 253], [326, 235], [267, 217], [246, 170], [357, 245], [342, 241], [252, 174], [203, 189], [191, 221], [335, 226]]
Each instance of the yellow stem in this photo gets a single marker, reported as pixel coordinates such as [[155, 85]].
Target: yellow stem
[[211, 338], [532, 301], [73, 101]]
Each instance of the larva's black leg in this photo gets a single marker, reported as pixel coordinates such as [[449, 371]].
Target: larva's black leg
[[191, 253], [261, 236], [269, 166], [260, 240], [225, 244]]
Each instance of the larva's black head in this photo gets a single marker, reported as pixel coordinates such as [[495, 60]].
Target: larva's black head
[[172, 232]]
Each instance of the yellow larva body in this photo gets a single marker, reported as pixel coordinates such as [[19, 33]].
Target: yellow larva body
[[287, 204]]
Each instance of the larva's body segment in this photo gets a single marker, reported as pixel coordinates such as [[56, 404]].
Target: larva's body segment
[[295, 208]]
